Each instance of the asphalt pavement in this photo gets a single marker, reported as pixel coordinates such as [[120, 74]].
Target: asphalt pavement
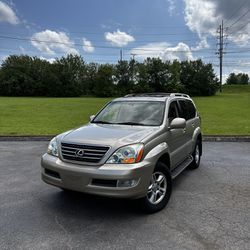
[[209, 207]]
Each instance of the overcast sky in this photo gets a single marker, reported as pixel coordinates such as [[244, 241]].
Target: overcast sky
[[98, 29]]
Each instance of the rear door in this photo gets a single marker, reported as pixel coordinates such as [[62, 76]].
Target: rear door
[[176, 138], [188, 112]]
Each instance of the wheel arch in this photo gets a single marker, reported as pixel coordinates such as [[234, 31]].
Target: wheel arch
[[197, 136], [165, 158]]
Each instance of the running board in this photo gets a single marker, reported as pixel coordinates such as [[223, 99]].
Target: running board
[[177, 170]]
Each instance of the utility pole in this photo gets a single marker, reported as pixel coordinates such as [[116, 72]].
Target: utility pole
[[220, 50], [120, 54], [132, 63]]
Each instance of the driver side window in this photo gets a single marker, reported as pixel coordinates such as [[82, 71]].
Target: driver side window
[[173, 111]]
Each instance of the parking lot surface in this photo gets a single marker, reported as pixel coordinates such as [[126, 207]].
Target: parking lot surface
[[209, 207]]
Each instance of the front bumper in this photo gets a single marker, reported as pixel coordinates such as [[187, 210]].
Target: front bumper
[[80, 177]]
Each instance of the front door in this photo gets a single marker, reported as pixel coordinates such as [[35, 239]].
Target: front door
[[176, 138]]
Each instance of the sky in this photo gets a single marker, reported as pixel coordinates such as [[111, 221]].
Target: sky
[[99, 29]]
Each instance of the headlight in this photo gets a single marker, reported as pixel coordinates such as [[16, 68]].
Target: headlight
[[128, 154], [52, 148]]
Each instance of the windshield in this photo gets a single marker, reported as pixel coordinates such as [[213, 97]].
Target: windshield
[[141, 113]]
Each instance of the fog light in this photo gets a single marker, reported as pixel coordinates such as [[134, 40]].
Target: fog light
[[127, 183]]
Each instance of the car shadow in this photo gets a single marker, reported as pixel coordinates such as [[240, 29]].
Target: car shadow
[[82, 205]]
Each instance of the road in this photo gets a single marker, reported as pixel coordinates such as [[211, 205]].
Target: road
[[209, 207]]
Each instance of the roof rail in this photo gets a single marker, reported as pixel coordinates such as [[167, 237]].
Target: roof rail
[[179, 94], [159, 94]]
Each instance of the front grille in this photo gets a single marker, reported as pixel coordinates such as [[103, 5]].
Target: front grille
[[83, 153]]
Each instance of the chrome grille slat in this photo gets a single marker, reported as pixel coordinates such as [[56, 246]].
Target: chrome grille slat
[[87, 157], [91, 154], [95, 150], [66, 152]]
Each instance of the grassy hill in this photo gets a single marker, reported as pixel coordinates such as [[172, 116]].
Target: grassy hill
[[227, 113]]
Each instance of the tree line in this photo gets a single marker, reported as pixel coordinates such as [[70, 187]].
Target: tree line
[[22, 75], [240, 78]]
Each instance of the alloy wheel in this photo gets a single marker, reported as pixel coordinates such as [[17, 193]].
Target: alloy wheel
[[157, 188]]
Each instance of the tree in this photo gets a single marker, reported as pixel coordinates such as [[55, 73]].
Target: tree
[[141, 77], [174, 82], [104, 86], [90, 78], [240, 78], [198, 78], [70, 71], [23, 76], [158, 74], [123, 76], [71, 76]]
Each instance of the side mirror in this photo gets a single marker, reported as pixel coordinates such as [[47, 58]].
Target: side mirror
[[178, 123], [91, 118]]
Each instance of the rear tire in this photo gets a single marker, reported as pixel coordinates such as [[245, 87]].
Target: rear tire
[[159, 190], [196, 156]]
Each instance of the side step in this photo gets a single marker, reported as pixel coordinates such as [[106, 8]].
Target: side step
[[177, 170]]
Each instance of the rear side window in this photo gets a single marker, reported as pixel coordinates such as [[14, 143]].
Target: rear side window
[[188, 110]]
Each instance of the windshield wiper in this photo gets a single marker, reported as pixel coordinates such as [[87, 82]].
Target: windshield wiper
[[130, 123], [119, 123], [102, 122]]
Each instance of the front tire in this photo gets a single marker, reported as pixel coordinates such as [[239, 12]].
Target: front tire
[[159, 190], [196, 156]]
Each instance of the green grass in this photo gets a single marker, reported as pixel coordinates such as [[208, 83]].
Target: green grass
[[45, 116], [227, 113]]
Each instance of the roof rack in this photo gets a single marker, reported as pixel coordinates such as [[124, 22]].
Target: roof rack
[[157, 94], [179, 94]]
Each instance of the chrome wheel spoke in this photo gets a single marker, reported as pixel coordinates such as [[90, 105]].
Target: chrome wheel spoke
[[152, 197], [197, 154], [160, 179], [150, 189], [157, 188], [162, 190]]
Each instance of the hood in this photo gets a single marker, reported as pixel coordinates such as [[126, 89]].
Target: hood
[[109, 135]]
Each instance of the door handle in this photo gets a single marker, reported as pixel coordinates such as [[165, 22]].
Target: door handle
[[184, 130], [193, 125]]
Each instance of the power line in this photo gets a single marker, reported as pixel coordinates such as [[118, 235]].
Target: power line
[[243, 3], [136, 41], [99, 46], [60, 52], [242, 27], [239, 18], [134, 34]]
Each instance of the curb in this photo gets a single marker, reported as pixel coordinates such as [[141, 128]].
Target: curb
[[226, 138], [26, 138], [207, 138]]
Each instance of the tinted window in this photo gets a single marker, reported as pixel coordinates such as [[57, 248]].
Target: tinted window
[[173, 111], [187, 109], [191, 110]]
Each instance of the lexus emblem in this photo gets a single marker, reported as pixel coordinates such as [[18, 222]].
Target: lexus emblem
[[79, 152]]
